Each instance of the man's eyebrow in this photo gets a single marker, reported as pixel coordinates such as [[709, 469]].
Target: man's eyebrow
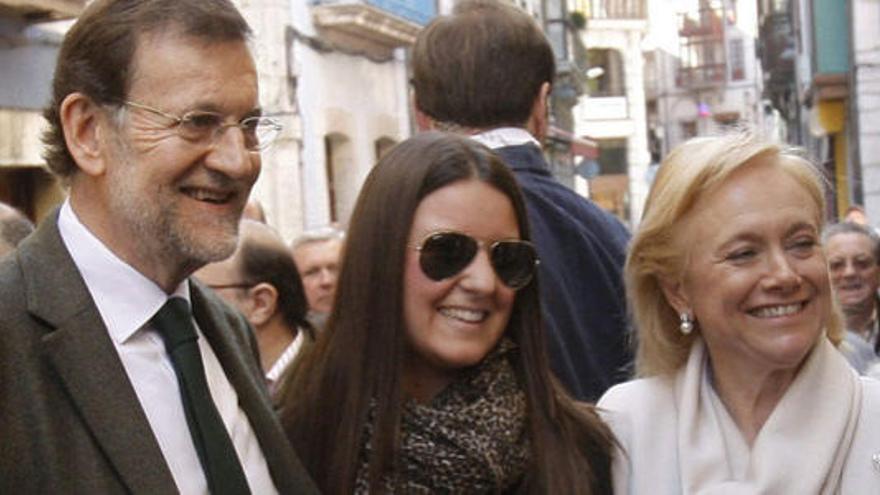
[[256, 112], [213, 108]]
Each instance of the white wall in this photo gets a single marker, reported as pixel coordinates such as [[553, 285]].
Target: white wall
[[625, 117], [278, 189], [679, 105], [352, 96], [866, 19]]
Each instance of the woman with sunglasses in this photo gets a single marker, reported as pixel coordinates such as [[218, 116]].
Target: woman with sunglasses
[[432, 375]]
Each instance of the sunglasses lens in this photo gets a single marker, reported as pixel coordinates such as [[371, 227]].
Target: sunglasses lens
[[514, 262], [445, 254]]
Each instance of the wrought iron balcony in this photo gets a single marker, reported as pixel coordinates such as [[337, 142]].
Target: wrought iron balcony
[[707, 22], [703, 76], [612, 9], [41, 10]]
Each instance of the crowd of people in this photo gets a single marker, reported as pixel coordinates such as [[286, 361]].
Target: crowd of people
[[491, 332]]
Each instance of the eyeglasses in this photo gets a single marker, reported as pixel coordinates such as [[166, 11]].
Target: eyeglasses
[[241, 285], [444, 254], [206, 127]]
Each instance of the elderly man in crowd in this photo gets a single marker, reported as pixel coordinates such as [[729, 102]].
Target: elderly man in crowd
[[853, 252], [261, 281], [317, 256], [14, 227], [486, 71], [118, 373]]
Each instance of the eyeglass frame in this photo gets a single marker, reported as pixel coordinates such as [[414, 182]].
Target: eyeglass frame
[[177, 121], [488, 246], [240, 285]]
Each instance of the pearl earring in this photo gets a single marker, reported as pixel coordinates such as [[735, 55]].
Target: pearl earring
[[687, 324]]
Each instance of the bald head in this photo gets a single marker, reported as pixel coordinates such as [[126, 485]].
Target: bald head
[[230, 271], [261, 257], [253, 210], [14, 227]]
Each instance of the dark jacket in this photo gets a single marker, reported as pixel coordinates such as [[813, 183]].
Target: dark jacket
[[70, 421], [582, 250]]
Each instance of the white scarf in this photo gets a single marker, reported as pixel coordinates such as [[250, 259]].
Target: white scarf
[[800, 449]]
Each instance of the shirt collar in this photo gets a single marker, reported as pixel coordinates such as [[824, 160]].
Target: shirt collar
[[125, 298], [505, 136]]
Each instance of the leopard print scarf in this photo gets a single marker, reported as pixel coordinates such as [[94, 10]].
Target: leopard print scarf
[[471, 438]]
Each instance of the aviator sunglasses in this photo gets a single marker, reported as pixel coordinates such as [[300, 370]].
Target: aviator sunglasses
[[444, 254]]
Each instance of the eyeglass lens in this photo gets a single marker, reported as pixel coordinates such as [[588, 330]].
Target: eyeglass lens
[[444, 254], [258, 132]]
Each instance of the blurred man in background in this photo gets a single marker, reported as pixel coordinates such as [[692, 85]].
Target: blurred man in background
[[262, 282], [853, 253], [317, 255]]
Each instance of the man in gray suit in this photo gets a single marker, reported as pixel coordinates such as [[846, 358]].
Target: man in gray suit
[[155, 127]]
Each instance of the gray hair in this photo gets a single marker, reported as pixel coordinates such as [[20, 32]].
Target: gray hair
[[321, 234], [854, 228]]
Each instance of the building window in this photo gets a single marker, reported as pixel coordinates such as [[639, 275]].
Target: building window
[[737, 62], [688, 129], [382, 146], [613, 156], [609, 81]]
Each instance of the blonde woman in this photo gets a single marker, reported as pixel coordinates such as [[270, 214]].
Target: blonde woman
[[742, 390]]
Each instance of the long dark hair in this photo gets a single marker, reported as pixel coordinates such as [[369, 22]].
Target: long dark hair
[[358, 358]]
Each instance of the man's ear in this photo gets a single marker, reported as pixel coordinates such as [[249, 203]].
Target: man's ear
[[673, 290], [264, 303], [539, 118], [85, 129], [424, 122]]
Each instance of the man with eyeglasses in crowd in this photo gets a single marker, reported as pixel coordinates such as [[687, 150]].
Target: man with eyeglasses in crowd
[[486, 71], [118, 373], [853, 254], [261, 281]]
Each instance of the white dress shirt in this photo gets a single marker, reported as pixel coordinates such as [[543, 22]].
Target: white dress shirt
[[505, 136], [285, 358], [127, 300]]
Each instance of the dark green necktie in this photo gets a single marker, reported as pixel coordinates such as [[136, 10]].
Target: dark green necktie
[[215, 449]]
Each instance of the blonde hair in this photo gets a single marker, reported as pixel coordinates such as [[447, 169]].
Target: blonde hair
[[691, 171]]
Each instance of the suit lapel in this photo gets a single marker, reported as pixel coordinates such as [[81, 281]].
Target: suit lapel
[[79, 348], [244, 374]]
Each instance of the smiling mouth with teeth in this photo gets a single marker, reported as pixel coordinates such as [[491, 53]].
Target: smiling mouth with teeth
[[850, 287], [208, 196], [777, 311], [465, 315]]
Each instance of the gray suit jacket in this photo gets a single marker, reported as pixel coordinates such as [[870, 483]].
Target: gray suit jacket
[[70, 421]]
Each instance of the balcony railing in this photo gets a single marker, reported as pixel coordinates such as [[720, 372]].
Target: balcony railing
[[41, 10], [701, 76], [707, 22], [373, 26], [416, 11], [612, 9]]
